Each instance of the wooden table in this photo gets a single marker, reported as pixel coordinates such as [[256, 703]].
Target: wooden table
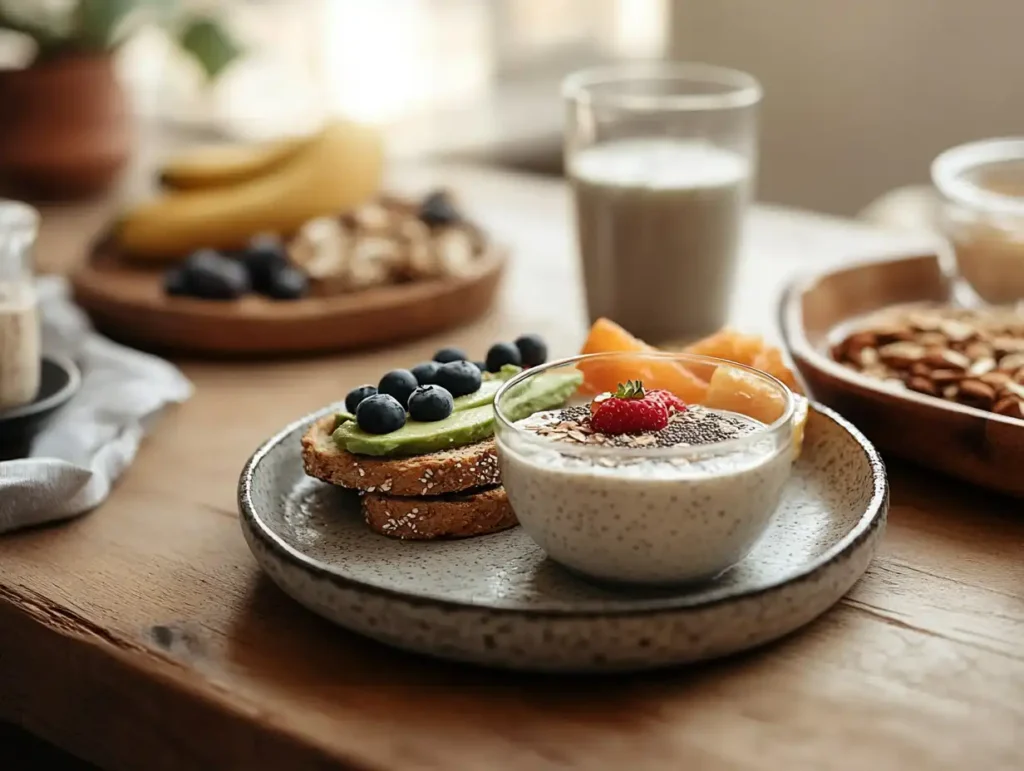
[[143, 637]]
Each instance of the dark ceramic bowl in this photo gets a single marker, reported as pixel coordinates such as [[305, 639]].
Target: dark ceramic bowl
[[60, 380]]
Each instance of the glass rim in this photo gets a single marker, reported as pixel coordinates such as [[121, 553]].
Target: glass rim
[[949, 167], [782, 423], [740, 89]]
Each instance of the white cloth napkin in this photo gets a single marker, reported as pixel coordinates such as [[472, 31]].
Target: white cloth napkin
[[89, 442]]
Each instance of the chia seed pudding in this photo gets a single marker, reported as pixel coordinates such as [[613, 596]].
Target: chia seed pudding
[[677, 505]]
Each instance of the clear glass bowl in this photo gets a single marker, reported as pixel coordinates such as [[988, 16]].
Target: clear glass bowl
[[982, 216], [649, 514]]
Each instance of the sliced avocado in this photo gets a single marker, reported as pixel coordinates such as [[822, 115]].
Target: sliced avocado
[[483, 395], [541, 393], [465, 426], [415, 438]]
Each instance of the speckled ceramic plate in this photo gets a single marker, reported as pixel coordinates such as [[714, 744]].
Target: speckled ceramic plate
[[497, 600]]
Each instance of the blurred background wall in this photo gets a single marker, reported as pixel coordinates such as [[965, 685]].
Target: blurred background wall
[[860, 94]]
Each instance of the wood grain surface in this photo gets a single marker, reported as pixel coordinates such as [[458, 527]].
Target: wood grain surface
[[143, 637]]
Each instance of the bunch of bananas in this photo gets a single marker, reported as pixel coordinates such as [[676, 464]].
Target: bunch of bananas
[[221, 196]]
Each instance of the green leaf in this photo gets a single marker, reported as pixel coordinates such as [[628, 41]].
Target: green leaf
[[210, 44], [631, 389], [96, 22]]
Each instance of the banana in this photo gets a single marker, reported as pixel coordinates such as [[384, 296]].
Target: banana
[[216, 165], [339, 169]]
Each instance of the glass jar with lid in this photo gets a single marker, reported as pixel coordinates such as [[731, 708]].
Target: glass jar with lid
[[20, 354]]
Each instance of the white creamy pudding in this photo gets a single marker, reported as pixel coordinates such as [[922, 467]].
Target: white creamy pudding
[[681, 504]]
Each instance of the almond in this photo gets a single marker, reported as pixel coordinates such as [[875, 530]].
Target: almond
[[957, 331], [995, 379], [981, 367], [1011, 362], [947, 359], [922, 385], [979, 350], [976, 392], [942, 377], [868, 357], [931, 339], [1010, 407], [920, 369], [901, 354], [1014, 389], [1005, 344]]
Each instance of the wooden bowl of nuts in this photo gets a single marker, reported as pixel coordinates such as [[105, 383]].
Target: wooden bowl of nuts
[[926, 380], [393, 269]]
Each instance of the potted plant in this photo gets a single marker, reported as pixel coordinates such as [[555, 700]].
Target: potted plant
[[65, 123]]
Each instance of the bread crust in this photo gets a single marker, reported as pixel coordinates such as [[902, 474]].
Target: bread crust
[[450, 516], [437, 473]]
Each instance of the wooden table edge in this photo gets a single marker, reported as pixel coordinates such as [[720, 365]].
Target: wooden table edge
[[127, 678]]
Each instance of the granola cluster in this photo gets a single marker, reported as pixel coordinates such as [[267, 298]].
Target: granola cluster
[[387, 241]]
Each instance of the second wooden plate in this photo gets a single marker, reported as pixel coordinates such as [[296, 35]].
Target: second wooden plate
[[971, 444], [128, 304]]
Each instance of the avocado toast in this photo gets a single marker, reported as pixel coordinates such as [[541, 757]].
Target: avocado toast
[[432, 472]]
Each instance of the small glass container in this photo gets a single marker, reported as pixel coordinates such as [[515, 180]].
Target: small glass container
[[20, 345], [982, 216], [657, 510]]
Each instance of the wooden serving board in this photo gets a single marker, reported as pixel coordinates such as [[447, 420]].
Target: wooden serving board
[[128, 304], [980, 447]]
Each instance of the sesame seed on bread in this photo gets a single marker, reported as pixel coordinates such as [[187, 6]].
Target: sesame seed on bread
[[437, 473], [457, 515]]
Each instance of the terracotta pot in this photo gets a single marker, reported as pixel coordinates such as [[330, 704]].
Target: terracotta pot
[[65, 129]]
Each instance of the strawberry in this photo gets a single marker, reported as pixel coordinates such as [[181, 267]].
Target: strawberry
[[671, 402], [630, 410]]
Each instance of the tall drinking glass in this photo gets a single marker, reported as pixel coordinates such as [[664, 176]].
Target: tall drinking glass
[[662, 160]]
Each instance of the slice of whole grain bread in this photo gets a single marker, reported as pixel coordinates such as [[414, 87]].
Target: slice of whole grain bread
[[437, 473], [457, 515]]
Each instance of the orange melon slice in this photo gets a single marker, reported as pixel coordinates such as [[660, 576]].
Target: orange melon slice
[[770, 360], [598, 376], [739, 391], [730, 345]]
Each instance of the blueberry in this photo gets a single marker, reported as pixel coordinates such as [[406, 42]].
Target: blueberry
[[356, 396], [176, 282], [263, 258], [481, 365], [501, 354], [399, 383], [426, 372], [532, 349], [459, 377], [287, 283], [438, 209], [430, 403], [212, 276], [380, 414], [446, 355]]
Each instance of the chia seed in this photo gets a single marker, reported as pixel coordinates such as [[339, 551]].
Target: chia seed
[[693, 427]]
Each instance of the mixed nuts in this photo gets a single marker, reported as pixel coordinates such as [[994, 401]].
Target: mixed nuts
[[970, 356]]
